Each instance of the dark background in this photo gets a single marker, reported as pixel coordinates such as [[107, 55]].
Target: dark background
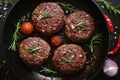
[[6, 73]]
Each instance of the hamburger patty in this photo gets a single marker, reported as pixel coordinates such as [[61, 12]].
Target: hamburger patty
[[34, 50], [48, 18], [79, 26], [69, 58]]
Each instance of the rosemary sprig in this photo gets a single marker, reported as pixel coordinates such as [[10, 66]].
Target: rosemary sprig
[[33, 49], [68, 60], [1, 16], [81, 24], [68, 7], [9, 1], [16, 37], [28, 15], [47, 70], [110, 7], [94, 41], [45, 15]]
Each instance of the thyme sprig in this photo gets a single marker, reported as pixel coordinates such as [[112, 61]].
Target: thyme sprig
[[45, 15], [95, 41], [33, 49], [81, 24], [110, 7], [47, 70], [16, 37], [68, 7]]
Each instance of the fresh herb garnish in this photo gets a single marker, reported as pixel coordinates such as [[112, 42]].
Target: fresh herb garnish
[[28, 15], [47, 70], [16, 37], [45, 15], [9, 1], [33, 49], [68, 60], [81, 24], [1, 15], [68, 7], [110, 7], [94, 41]]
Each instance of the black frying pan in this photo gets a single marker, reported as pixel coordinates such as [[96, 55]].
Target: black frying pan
[[24, 72]]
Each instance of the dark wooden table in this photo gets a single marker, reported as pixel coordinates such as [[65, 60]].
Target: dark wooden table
[[6, 73]]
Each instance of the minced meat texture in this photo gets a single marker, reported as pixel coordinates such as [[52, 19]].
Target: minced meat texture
[[69, 58], [79, 26], [48, 18], [34, 50]]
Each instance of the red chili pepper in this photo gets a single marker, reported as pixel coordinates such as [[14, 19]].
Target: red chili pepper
[[109, 22], [117, 47]]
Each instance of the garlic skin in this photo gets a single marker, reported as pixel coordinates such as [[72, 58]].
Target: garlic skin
[[110, 68]]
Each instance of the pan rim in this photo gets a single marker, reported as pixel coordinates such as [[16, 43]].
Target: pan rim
[[33, 74]]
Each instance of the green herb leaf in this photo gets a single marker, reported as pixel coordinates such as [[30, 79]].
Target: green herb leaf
[[28, 15], [81, 24], [68, 7], [68, 60], [33, 49], [16, 37], [1, 15], [9, 1], [45, 15], [94, 41], [47, 70], [110, 7]]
